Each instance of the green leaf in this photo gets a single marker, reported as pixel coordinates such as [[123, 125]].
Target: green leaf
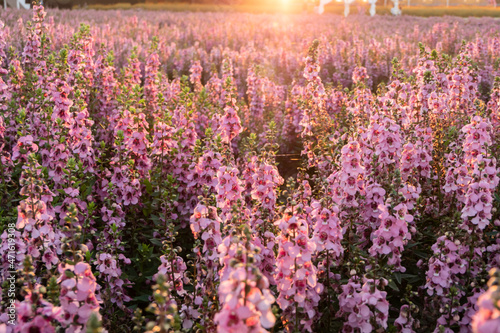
[[149, 187], [397, 276], [143, 298], [408, 276], [414, 280], [393, 286], [88, 255], [69, 274], [156, 242], [89, 188], [409, 246], [421, 254]]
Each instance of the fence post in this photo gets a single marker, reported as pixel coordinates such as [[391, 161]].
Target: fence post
[[21, 3]]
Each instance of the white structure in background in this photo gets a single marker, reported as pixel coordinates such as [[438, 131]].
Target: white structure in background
[[347, 3], [395, 10], [372, 6], [18, 4], [321, 8]]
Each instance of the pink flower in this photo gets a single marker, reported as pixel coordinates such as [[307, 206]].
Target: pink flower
[[364, 304], [230, 125], [487, 318]]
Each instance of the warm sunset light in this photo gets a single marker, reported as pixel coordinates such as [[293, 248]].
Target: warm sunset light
[[250, 166]]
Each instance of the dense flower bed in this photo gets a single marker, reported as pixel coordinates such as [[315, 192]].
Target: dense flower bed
[[183, 172]]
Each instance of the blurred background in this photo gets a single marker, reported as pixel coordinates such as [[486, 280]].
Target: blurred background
[[464, 8]]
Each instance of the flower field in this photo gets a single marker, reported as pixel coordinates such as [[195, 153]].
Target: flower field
[[229, 172]]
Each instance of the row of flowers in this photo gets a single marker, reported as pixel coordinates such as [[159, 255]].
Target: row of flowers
[[118, 179]]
